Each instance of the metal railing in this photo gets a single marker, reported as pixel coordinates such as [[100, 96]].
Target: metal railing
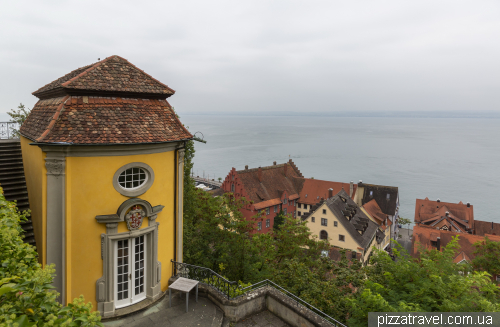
[[232, 290], [8, 130]]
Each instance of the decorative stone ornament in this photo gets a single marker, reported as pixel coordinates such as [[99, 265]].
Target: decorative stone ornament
[[135, 217]]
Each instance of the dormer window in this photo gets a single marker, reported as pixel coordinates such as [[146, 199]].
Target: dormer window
[[371, 193]]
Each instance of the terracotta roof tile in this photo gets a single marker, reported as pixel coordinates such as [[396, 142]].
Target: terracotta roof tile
[[113, 74], [312, 190], [273, 184], [440, 214], [103, 121], [424, 235], [374, 210]]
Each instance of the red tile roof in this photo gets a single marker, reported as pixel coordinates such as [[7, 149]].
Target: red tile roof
[[109, 102], [272, 184], [486, 227], [312, 190], [102, 120], [424, 235], [434, 213], [113, 74], [374, 210]]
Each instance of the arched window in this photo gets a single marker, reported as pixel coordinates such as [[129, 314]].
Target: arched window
[[323, 235]]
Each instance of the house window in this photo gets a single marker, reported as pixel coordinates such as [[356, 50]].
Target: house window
[[299, 205], [305, 206], [498, 278], [342, 238], [353, 255], [323, 235], [388, 196], [285, 200], [324, 211], [232, 177], [275, 208], [132, 178], [434, 244], [294, 214], [371, 193], [335, 224], [259, 225], [232, 188], [267, 211], [300, 214], [284, 211], [130, 271], [294, 203], [324, 222], [313, 220], [268, 223]]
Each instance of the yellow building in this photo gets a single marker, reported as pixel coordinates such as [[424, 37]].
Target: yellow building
[[340, 221], [103, 158]]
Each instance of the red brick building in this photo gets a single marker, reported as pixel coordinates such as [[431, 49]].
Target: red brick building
[[270, 189]]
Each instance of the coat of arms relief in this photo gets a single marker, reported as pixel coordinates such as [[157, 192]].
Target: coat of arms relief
[[135, 217]]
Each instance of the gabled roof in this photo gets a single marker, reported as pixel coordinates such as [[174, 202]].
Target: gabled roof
[[272, 184], [339, 204], [461, 257], [312, 190], [386, 197], [424, 235], [113, 74], [436, 213], [373, 209]]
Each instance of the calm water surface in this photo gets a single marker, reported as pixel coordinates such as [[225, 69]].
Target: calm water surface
[[455, 159]]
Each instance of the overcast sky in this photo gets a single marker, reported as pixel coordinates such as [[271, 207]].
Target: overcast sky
[[266, 55]]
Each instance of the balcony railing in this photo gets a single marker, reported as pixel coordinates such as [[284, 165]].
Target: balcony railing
[[8, 130], [232, 290]]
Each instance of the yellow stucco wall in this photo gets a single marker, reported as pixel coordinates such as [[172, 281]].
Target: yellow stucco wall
[[333, 232], [90, 192], [36, 181]]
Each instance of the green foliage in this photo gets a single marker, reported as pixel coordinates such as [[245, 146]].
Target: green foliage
[[18, 116], [404, 221], [487, 256], [279, 219], [432, 284], [26, 295]]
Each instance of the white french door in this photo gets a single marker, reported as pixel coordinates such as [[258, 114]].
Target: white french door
[[130, 271]]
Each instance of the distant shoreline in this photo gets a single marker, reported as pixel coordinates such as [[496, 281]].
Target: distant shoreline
[[358, 114]]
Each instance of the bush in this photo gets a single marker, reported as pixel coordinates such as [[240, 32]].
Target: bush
[[26, 295]]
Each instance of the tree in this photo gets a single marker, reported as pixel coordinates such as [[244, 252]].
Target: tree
[[487, 256], [18, 116], [279, 219], [26, 295], [433, 283]]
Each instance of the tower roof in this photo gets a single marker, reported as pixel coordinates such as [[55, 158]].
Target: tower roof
[[109, 102], [113, 75]]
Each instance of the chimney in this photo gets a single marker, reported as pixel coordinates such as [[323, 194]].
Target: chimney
[[438, 241], [285, 167], [274, 163], [246, 167], [351, 188], [468, 204], [259, 174], [330, 193], [438, 200], [290, 160]]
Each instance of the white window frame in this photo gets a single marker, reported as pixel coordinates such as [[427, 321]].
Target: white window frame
[[275, 208], [132, 298], [268, 223], [259, 225], [138, 190], [268, 211]]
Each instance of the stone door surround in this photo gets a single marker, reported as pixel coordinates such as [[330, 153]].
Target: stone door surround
[[105, 285]]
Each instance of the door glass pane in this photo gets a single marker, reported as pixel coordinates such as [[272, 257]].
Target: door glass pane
[[122, 264], [139, 265]]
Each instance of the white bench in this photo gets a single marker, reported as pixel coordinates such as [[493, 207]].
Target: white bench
[[184, 285]]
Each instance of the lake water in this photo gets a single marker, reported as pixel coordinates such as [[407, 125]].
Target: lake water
[[455, 159]]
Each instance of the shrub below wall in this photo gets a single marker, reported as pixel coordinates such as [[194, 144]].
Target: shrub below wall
[[26, 295]]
